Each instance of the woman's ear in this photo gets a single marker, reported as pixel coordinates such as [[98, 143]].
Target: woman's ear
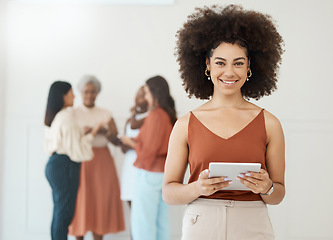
[[207, 64]]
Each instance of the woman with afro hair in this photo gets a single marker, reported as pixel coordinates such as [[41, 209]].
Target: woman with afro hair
[[227, 55]]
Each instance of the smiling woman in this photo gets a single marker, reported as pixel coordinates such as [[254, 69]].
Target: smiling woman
[[228, 67], [47, 42], [216, 63], [262, 48]]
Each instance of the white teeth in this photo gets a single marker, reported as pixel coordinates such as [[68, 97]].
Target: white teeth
[[228, 82]]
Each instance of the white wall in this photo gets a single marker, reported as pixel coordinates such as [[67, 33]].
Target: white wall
[[2, 92], [123, 46]]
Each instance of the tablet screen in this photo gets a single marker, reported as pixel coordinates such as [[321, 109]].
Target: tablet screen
[[232, 170]]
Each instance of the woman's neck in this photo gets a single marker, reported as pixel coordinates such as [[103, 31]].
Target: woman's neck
[[89, 106], [234, 101], [153, 106]]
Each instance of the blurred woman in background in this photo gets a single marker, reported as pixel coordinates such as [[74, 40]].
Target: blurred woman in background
[[150, 214], [67, 145], [98, 206], [132, 128]]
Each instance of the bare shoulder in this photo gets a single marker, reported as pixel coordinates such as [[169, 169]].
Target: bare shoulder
[[252, 109], [179, 132], [273, 127], [271, 120], [182, 122]]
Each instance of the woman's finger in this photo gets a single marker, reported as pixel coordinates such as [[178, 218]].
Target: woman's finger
[[261, 175], [204, 174]]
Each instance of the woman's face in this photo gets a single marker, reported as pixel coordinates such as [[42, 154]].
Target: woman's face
[[69, 98], [89, 93], [228, 68], [148, 96], [140, 100]]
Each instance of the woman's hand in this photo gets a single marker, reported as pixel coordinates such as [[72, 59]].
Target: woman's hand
[[96, 128], [104, 129], [207, 186], [87, 130], [256, 182], [133, 111], [127, 141], [125, 148]]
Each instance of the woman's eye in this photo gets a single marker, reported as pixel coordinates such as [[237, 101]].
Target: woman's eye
[[219, 63], [239, 63], [90, 92]]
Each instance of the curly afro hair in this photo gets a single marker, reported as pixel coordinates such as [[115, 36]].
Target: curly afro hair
[[208, 27]]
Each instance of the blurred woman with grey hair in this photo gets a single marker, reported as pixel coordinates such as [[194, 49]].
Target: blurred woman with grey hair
[[98, 205]]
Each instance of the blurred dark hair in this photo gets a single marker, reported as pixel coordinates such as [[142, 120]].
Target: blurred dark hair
[[55, 100], [159, 88]]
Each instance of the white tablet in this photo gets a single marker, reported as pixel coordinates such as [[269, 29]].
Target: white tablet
[[232, 170]]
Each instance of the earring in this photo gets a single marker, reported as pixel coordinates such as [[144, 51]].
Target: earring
[[249, 74], [207, 73]]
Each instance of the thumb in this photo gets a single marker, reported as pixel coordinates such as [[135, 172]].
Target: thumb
[[204, 174]]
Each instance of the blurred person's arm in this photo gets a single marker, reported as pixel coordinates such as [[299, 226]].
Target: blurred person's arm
[[112, 134], [137, 118]]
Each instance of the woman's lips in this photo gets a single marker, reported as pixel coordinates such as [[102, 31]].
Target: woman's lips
[[229, 82]]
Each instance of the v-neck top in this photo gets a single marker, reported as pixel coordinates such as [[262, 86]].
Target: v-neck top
[[246, 146]]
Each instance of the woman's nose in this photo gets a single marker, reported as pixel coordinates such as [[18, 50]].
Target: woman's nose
[[229, 70]]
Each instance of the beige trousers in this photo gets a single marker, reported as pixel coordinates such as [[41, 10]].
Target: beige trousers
[[212, 219]]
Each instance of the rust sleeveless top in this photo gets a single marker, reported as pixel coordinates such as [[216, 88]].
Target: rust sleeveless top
[[248, 145]]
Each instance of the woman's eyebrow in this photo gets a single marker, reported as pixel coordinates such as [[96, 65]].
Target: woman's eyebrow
[[239, 58], [220, 58], [236, 59]]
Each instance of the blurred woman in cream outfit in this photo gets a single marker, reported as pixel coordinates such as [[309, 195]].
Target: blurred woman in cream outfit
[[98, 206], [67, 146]]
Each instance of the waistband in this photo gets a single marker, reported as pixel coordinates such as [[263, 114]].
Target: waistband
[[55, 154], [228, 203]]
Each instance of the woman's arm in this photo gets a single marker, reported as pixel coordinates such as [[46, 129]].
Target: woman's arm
[[174, 191], [113, 132], [136, 123], [125, 148], [275, 163], [275, 159], [128, 141], [97, 128], [71, 138]]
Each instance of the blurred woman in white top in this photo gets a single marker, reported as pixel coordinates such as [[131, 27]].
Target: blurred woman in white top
[[67, 146], [138, 114]]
